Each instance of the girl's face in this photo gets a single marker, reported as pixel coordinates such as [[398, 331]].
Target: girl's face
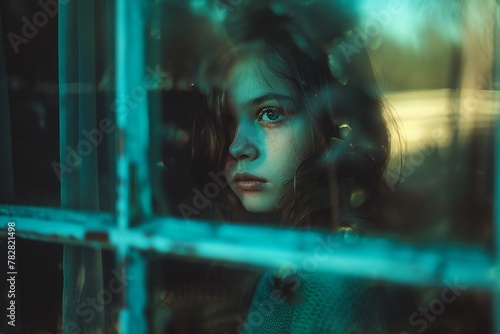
[[272, 134]]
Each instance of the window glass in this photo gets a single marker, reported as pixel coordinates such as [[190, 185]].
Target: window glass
[[376, 120], [47, 76], [355, 118]]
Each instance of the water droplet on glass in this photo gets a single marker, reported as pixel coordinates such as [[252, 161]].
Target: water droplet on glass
[[375, 43], [335, 67], [358, 197]]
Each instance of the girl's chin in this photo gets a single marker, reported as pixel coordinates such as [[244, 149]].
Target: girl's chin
[[253, 207], [257, 202]]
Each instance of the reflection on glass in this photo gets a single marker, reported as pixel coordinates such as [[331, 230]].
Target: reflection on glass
[[59, 100], [293, 128]]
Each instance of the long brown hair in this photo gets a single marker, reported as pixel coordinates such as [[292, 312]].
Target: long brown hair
[[339, 183]]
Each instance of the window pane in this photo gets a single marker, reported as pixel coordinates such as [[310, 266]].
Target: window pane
[[200, 297], [31, 63], [38, 289], [277, 115], [389, 127], [47, 77], [363, 117]]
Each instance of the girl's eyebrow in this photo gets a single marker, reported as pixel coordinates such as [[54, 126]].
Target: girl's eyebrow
[[266, 97]]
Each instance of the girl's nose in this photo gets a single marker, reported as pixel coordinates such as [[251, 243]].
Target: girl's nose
[[243, 147]]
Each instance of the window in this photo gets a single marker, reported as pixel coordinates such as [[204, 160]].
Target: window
[[105, 224]]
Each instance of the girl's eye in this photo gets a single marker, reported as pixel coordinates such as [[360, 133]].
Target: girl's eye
[[271, 115]]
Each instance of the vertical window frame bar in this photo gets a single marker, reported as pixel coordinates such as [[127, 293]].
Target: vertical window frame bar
[[133, 186]]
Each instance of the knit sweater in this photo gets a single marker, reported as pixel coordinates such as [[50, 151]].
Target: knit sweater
[[316, 304]]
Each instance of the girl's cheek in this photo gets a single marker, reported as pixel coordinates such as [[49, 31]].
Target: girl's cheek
[[229, 164]]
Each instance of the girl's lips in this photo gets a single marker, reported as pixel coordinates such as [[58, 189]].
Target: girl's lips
[[250, 185], [249, 182]]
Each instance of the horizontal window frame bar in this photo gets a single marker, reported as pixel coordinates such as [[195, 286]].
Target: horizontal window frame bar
[[429, 264]]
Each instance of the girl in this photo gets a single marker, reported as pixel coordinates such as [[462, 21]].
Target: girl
[[299, 132], [300, 135]]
